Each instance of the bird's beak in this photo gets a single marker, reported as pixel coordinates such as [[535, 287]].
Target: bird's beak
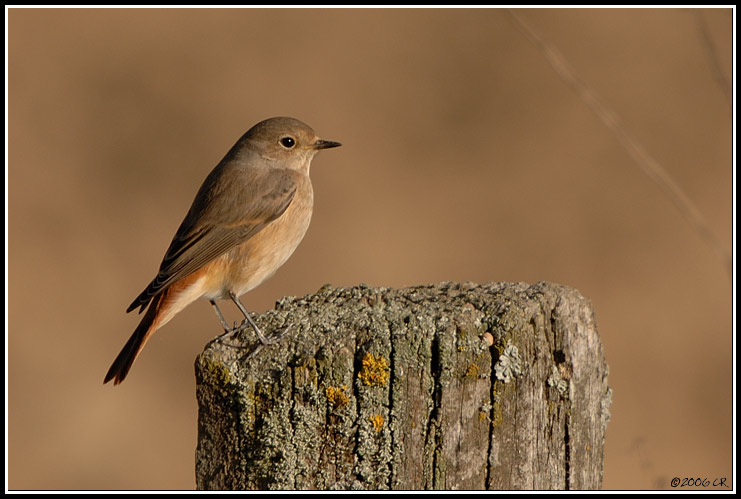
[[325, 144]]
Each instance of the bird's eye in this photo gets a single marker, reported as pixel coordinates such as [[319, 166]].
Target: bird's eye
[[287, 142]]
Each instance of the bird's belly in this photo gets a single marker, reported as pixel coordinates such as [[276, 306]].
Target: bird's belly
[[246, 266]]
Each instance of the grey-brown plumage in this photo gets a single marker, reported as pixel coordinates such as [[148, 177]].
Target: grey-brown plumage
[[247, 218]]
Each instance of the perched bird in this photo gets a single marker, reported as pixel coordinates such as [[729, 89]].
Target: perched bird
[[246, 220]]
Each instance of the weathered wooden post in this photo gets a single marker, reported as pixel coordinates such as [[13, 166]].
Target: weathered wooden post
[[447, 386]]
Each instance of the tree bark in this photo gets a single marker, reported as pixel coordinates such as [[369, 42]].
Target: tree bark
[[447, 386]]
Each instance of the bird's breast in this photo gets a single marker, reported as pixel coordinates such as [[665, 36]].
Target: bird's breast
[[246, 266]]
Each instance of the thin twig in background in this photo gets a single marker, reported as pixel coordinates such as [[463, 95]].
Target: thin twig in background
[[639, 154], [714, 60]]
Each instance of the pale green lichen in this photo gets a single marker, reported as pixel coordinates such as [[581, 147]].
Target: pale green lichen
[[509, 364], [556, 381]]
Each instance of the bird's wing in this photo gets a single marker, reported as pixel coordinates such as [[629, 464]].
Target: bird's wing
[[223, 215]]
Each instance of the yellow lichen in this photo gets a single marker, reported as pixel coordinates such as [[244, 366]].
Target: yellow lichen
[[377, 421], [217, 373], [375, 370], [336, 395], [496, 414], [472, 372]]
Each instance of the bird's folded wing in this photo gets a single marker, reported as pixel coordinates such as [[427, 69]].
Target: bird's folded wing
[[212, 228]]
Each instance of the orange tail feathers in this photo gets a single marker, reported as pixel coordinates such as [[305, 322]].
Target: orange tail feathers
[[148, 325]]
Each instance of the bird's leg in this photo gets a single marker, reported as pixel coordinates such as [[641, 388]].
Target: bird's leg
[[261, 337], [227, 329]]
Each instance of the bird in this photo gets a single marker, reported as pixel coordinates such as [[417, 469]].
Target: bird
[[246, 220]]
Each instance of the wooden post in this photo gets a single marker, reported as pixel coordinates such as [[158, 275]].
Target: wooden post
[[447, 386]]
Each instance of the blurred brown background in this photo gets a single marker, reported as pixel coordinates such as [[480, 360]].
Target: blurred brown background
[[465, 157]]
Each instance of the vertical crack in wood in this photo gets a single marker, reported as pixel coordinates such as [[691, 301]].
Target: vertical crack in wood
[[567, 453], [391, 425], [325, 449], [356, 366], [291, 415], [492, 405], [432, 437]]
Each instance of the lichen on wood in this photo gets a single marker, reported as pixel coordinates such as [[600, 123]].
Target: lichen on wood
[[446, 386]]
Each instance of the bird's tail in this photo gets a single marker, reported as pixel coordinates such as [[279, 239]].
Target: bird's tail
[[148, 325]]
